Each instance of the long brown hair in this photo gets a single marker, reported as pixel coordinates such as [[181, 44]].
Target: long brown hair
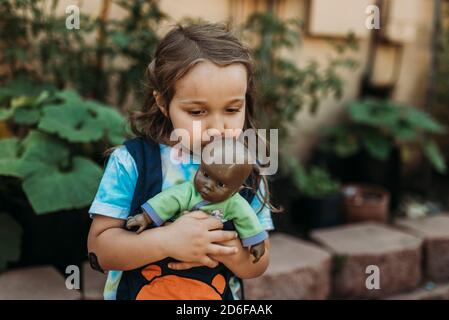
[[181, 49]]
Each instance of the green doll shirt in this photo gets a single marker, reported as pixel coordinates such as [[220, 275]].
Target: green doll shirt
[[183, 197]]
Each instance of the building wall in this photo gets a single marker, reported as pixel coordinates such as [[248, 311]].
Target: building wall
[[408, 19]]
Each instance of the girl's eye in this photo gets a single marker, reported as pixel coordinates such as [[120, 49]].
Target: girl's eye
[[221, 184], [196, 112], [205, 174], [233, 110]]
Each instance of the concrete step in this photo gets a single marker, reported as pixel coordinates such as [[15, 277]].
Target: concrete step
[[93, 283], [297, 270], [36, 283], [428, 291], [365, 250], [434, 230]]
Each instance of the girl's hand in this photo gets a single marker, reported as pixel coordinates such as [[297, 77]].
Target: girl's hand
[[194, 236], [188, 265]]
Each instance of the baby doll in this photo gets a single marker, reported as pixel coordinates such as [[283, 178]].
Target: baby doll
[[213, 190]]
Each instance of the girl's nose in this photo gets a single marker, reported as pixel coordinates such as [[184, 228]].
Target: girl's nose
[[216, 126]]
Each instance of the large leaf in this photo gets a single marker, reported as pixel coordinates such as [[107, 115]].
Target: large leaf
[[374, 113], [82, 121], [112, 122], [9, 159], [435, 157], [6, 113], [41, 152], [419, 119], [71, 122], [54, 190], [37, 152], [10, 240], [377, 145], [26, 116]]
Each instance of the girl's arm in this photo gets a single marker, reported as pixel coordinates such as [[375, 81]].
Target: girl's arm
[[192, 237]]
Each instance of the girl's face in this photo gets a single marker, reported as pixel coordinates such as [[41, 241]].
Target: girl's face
[[213, 95]]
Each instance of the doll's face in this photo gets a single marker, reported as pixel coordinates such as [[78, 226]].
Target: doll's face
[[217, 182]]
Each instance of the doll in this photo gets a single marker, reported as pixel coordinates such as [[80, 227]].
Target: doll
[[214, 190]]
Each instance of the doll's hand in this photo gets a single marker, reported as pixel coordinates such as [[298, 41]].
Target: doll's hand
[[139, 220], [257, 251]]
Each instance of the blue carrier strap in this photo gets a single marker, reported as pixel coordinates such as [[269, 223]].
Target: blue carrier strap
[[147, 157]]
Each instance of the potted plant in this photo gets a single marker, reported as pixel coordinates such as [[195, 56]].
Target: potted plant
[[371, 145], [50, 169], [320, 201], [365, 203]]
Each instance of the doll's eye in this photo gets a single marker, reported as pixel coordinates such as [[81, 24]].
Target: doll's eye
[[221, 184], [205, 174]]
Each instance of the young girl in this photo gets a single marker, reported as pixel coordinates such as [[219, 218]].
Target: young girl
[[202, 73]]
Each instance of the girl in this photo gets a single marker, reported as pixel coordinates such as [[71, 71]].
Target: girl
[[203, 73]]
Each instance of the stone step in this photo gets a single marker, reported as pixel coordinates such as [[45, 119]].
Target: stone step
[[363, 250], [93, 283], [36, 283], [297, 270], [434, 230], [428, 291]]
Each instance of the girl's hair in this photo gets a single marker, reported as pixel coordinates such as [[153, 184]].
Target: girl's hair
[[181, 49]]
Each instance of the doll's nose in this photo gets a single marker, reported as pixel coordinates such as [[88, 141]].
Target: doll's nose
[[208, 185]]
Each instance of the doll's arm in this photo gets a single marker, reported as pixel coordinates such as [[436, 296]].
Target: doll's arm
[[248, 226], [141, 220], [257, 250], [168, 203]]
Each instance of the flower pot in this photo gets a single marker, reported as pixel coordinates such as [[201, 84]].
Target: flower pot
[[365, 203], [323, 212]]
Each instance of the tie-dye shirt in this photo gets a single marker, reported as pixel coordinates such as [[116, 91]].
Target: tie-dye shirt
[[116, 190]]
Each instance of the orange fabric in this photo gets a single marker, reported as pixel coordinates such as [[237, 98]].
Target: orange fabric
[[219, 283], [173, 287], [151, 272]]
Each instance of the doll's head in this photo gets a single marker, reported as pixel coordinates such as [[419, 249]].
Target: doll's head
[[217, 182], [217, 179]]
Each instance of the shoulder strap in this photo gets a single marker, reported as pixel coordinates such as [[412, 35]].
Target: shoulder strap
[[147, 157]]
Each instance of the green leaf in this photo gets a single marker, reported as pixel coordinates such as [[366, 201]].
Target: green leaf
[[435, 157], [419, 119], [82, 121], [71, 122], [41, 152], [54, 190], [10, 240], [26, 116], [22, 101], [5, 114], [112, 122], [9, 160], [374, 113], [378, 146]]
